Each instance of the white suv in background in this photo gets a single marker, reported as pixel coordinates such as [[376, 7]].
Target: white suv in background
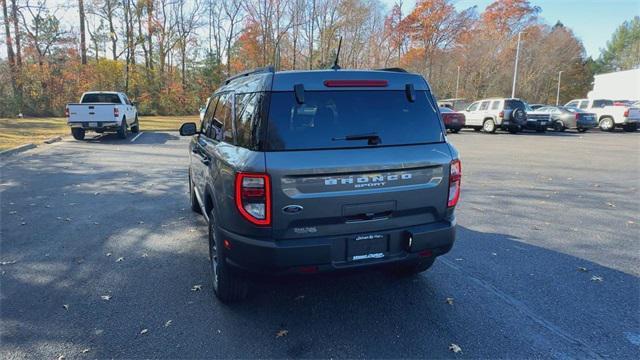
[[609, 116], [500, 113]]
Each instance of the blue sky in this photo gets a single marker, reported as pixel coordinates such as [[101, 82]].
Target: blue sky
[[593, 21]]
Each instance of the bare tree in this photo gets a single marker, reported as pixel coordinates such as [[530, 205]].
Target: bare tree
[[83, 44]]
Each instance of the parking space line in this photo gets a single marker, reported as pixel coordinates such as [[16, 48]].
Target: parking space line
[[137, 136]]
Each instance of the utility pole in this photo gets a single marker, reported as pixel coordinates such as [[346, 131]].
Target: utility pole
[[457, 83], [558, 93], [515, 70]]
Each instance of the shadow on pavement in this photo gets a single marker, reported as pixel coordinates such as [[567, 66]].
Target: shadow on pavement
[[511, 299]]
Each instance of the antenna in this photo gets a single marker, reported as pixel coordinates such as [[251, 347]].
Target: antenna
[[335, 63]]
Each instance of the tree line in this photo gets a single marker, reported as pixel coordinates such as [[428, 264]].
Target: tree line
[[169, 55]]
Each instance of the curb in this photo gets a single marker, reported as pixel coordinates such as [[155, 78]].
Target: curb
[[17, 150]]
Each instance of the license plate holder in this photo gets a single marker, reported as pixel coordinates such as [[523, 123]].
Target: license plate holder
[[93, 124], [370, 246]]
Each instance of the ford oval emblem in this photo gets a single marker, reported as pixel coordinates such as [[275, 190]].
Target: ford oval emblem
[[292, 209]]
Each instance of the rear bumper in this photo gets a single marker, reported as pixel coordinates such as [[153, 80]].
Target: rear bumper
[[586, 124], [320, 254], [537, 124], [98, 125], [630, 121]]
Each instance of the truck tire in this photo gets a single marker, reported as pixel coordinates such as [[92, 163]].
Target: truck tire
[[122, 130], [489, 126], [513, 129], [78, 133], [414, 268], [135, 128], [630, 127], [558, 126], [607, 124], [229, 285]]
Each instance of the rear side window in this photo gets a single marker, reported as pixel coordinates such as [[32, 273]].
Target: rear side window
[[572, 104], [585, 104], [484, 105], [474, 106], [247, 108], [327, 118], [207, 120], [101, 98], [222, 128], [600, 104], [495, 105]]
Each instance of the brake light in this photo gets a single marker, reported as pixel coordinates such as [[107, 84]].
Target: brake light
[[501, 114], [455, 177], [116, 112], [356, 83], [66, 112], [626, 113], [253, 197], [577, 116]]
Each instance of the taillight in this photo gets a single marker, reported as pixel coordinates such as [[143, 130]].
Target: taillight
[[116, 112], [501, 114], [455, 177], [253, 197], [66, 112], [626, 113], [577, 116]]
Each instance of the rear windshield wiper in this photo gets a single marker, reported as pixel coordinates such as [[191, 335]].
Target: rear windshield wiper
[[372, 138]]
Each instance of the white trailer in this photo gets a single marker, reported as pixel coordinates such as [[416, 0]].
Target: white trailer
[[620, 85]]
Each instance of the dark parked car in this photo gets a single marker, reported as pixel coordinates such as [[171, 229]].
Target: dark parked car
[[563, 118], [453, 121], [315, 171]]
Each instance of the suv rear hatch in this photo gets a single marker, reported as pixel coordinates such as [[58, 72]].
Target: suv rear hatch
[[355, 161]]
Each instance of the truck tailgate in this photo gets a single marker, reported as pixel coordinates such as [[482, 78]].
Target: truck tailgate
[[91, 113]]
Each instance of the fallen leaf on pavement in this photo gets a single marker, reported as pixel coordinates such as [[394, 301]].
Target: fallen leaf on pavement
[[450, 301], [611, 204], [196, 288], [583, 269], [108, 254], [168, 323], [144, 331], [105, 297], [61, 357], [140, 222], [145, 255], [120, 259], [12, 212], [65, 306], [85, 351], [596, 278], [455, 348], [7, 262], [67, 219], [23, 223], [282, 333]]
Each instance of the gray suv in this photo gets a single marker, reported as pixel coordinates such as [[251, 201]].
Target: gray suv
[[318, 171]]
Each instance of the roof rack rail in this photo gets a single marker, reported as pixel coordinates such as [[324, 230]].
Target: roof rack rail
[[250, 72], [394, 69]]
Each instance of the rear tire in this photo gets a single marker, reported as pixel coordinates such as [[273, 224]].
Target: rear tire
[[411, 269], [582, 130], [630, 127], [607, 124], [229, 285], [513, 130], [455, 131], [489, 126], [135, 128], [78, 133], [559, 126], [122, 130], [477, 128]]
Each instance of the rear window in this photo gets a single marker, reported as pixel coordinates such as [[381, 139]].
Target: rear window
[[101, 98], [327, 117], [514, 104]]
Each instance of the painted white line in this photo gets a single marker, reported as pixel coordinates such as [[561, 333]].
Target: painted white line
[[137, 136]]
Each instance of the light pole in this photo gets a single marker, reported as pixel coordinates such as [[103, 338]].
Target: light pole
[[515, 70], [558, 93], [457, 83]]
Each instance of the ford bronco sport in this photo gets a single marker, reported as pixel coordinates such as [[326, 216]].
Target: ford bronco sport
[[316, 171]]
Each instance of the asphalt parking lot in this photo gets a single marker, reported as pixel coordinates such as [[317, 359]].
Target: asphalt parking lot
[[102, 258]]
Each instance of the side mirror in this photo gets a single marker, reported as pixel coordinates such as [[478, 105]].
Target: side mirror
[[134, 103], [188, 129]]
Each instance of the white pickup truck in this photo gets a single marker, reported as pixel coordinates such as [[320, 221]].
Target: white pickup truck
[[609, 116], [102, 111]]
